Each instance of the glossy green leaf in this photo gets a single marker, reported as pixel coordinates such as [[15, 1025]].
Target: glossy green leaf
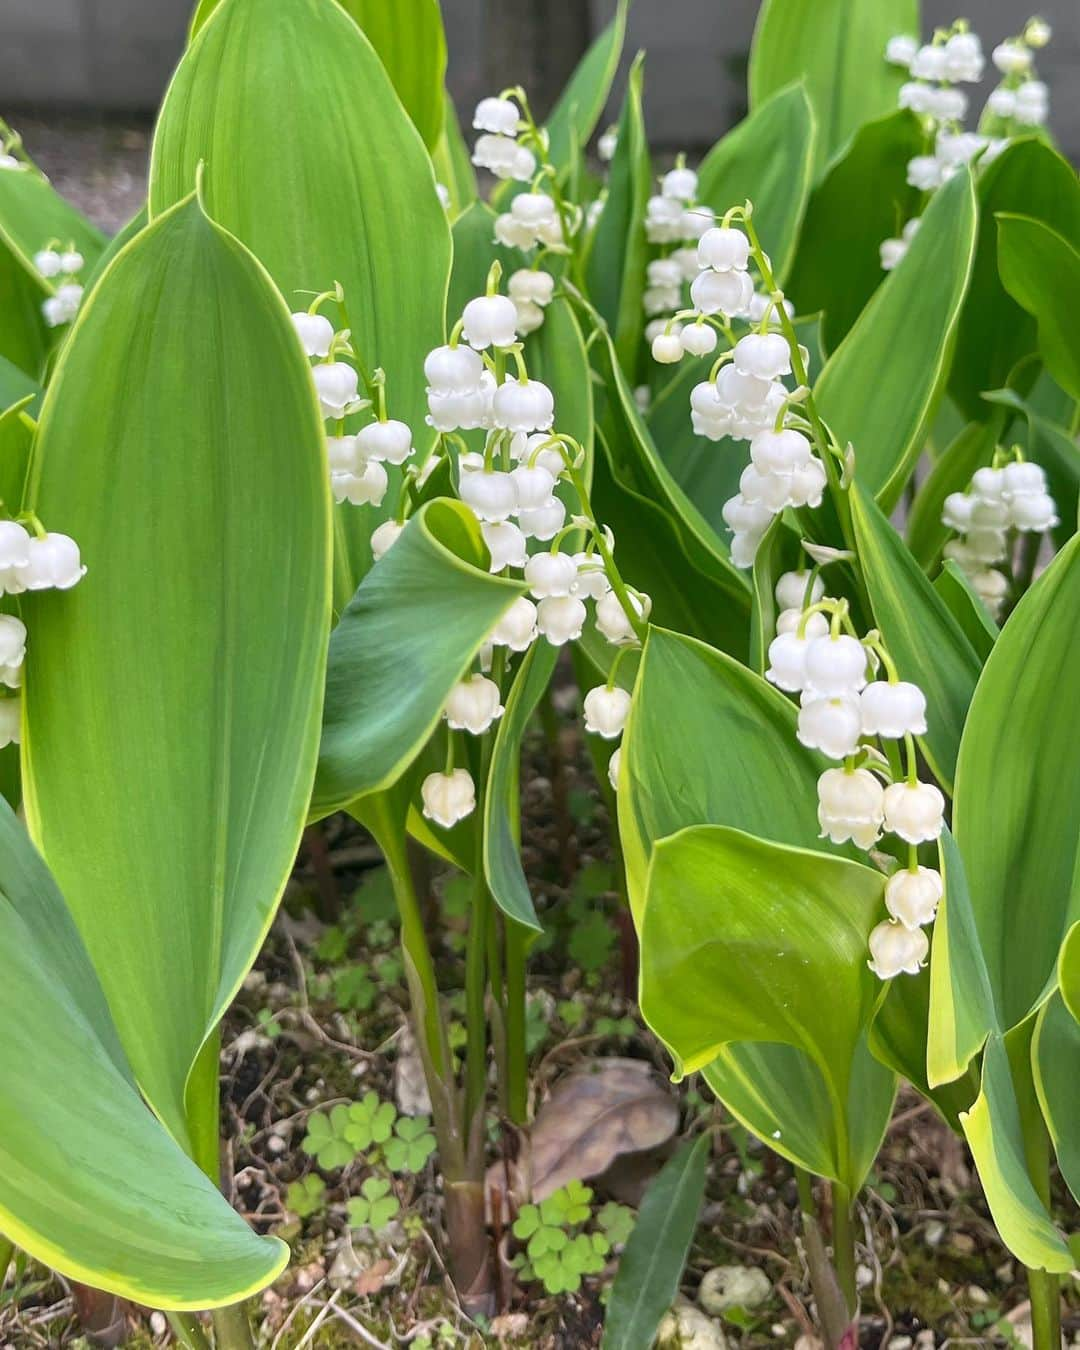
[[963, 603], [617, 260], [838, 48], [863, 199], [995, 333], [1055, 1055], [901, 346], [408, 36], [173, 697], [1041, 271], [90, 1183], [453, 166], [767, 159], [574, 117], [651, 1266], [972, 448], [747, 941], [1017, 803], [123, 236], [407, 636], [502, 850], [333, 200], [16, 385], [24, 341], [914, 620]]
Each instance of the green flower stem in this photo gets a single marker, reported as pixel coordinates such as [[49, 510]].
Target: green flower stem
[[188, 1330], [232, 1330], [637, 623], [1043, 1285], [832, 1310], [843, 1243], [517, 1081]]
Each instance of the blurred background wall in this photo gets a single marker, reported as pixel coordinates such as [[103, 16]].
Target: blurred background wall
[[116, 55]]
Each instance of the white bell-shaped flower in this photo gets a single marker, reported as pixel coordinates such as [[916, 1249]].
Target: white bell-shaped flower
[[696, 221], [698, 339], [808, 484], [789, 620], [790, 590], [506, 544], [964, 58], [606, 711], [316, 333], [500, 154], [342, 454], [779, 451], [663, 220], [914, 811], [489, 321], [925, 173], [901, 50], [956, 511], [724, 249], [1021, 478], [660, 299], [527, 450], [787, 660], [530, 317], [744, 547], [367, 487], [543, 522], [851, 805], [524, 405], [680, 184], [664, 272], [53, 563], [1034, 511], [513, 233], [1032, 104], [991, 587], [534, 485], [448, 797], [772, 490], [533, 208], [489, 493], [613, 768], [10, 721], [390, 441], [743, 517], [1011, 58], [912, 897], [47, 262], [14, 555], [12, 650], [722, 293], [836, 665], [928, 63], [612, 620], [497, 115], [453, 370], [337, 386], [551, 574], [764, 355], [560, 618], [831, 725], [592, 580], [1002, 102], [384, 537], [893, 709], [473, 705], [607, 143], [528, 285], [517, 627], [896, 950], [988, 483], [667, 348]]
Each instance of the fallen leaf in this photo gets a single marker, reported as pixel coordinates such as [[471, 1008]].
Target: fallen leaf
[[371, 1281]]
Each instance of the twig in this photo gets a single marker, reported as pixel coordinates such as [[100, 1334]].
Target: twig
[[293, 1313]]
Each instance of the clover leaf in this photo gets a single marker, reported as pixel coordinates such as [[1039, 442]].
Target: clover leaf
[[370, 1121], [306, 1196], [326, 1139], [374, 1206], [412, 1145]]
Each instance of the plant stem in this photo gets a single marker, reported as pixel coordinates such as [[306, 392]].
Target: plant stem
[[188, 1330], [476, 995], [833, 1313], [517, 1080], [7, 1251], [232, 1331], [1044, 1286], [843, 1243]]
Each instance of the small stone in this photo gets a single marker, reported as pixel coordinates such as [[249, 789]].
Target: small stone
[[275, 1144], [925, 1340], [726, 1287], [159, 1324], [963, 1243], [808, 1343], [349, 1263], [864, 1276], [900, 1343], [934, 1233], [687, 1328], [977, 1295]]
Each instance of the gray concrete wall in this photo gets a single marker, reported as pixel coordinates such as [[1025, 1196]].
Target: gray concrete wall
[[117, 54]]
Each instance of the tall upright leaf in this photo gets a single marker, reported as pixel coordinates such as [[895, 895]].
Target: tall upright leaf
[[1041, 271], [838, 48], [767, 159], [348, 195], [574, 117], [90, 1183], [901, 347], [173, 697]]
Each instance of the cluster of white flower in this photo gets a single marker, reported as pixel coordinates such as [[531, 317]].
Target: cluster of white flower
[[62, 306], [673, 217], [955, 56], [357, 461], [1012, 496], [511, 488], [498, 147], [842, 710], [37, 561]]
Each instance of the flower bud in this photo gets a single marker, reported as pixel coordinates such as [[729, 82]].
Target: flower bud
[[912, 897], [896, 950], [606, 711], [47, 262], [791, 590], [914, 811], [336, 384], [667, 348], [448, 797], [698, 339]]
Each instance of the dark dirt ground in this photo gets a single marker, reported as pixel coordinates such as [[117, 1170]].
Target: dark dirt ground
[[322, 1019]]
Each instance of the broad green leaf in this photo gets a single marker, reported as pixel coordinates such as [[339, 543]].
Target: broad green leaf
[[502, 849], [1041, 271], [994, 332], [574, 117], [881, 386], [767, 159], [1069, 970], [453, 167], [348, 195], [838, 48], [1017, 803], [33, 215], [863, 199], [651, 1266], [747, 941], [967, 609], [709, 743], [408, 36], [15, 386], [616, 266], [475, 249], [123, 236], [173, 697], [996, 1139], [927, 644], [90, 1183], [405, 639], [971, 449], [24, 340], [1055, 1053]]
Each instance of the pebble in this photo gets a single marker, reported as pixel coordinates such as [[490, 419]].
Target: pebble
[[687, 1328], [977, 1295], [159, 1323], [900, 1343], [934, 1233], [726, 1287]]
